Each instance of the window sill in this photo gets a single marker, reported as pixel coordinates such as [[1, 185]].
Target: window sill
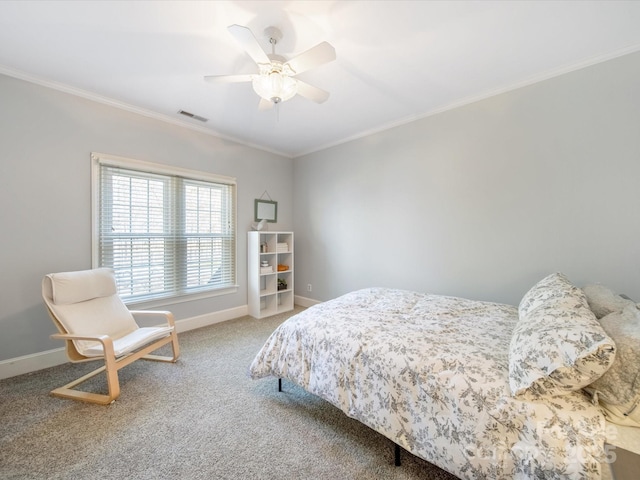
[[159, 302]]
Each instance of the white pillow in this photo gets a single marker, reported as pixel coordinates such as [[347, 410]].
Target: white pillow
[[103, 315], [603, 301], [618, 390], [557, 346]]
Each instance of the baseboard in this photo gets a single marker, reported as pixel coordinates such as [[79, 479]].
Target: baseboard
[[37, 361], [31, 363], [304, 301], [207, 319]]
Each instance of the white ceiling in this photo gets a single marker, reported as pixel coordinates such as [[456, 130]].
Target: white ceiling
[[396, 60]]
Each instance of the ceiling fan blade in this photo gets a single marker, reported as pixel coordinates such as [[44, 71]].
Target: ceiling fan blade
[[321, 53], [265, 104], [312, 93], [228, 78], [245, 37]]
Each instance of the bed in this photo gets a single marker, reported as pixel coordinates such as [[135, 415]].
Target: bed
[[480, 389]]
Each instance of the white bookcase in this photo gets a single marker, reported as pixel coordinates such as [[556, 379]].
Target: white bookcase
[[270, 287]]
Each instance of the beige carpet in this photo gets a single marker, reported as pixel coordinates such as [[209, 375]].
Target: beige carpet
[[201, 418]]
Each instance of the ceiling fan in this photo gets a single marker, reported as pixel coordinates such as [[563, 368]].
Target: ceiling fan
[[275, 81]]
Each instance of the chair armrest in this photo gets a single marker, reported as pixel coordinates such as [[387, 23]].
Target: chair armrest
[[105, 340], [168, 316], [71, 336]]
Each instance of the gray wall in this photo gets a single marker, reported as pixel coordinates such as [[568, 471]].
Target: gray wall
[[483, 200], [480, 201], [46, 137]]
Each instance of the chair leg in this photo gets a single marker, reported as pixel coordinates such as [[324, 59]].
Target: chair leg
[[68, 390], [111, 367], [396, 454], [113, 383], [175, 346]]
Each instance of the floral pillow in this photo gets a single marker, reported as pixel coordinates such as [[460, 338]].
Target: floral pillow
[[558, 346]]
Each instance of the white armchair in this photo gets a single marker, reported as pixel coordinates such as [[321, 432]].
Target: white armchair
[[96, 324]]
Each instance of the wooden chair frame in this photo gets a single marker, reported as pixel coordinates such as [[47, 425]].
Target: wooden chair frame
[[112, 364]]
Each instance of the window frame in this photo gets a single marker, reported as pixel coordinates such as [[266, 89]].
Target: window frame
[[100, 159]]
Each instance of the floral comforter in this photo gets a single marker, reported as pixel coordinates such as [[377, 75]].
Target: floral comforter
[[430, 373]]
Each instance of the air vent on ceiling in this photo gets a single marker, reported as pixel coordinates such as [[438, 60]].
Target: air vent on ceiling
[[192, 115]]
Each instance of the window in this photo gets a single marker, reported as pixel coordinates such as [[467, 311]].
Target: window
[[166, 232]]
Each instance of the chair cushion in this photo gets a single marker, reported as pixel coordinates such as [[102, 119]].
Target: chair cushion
[[74, 287], [99, 316], [128, 343]]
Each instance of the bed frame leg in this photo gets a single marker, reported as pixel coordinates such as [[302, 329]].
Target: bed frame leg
[[397, 454], [279, 384]]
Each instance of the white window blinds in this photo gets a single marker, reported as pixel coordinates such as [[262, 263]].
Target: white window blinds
[[166, 232]]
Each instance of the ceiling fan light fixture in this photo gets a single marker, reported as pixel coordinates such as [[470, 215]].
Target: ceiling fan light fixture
[[275, 86]]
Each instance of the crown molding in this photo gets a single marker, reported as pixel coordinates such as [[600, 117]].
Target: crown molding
[[11, 72], [549, 74]]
